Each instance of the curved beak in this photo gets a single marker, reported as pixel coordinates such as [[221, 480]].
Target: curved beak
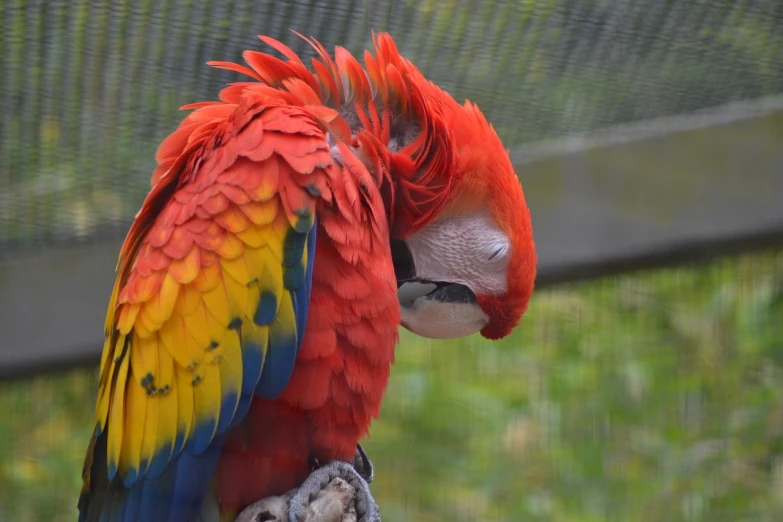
[[434, 309]]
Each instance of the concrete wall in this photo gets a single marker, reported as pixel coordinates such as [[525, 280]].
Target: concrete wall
[[629, 198]]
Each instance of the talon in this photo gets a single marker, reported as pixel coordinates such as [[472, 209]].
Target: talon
[[363, 465]]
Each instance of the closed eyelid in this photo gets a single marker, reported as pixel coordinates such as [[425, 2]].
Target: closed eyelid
[[498, 251]]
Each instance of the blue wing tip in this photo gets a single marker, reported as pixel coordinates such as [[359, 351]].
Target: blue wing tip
[[228, 408], [252, 361], [159, 461], [279, 364], [267, 308], [129, 478], [202, 435]]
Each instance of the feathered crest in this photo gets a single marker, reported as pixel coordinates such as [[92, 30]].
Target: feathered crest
[[384, 113]]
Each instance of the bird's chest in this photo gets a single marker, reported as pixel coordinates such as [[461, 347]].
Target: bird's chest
[[337, 385]]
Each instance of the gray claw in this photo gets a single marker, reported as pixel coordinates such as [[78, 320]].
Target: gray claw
[[362, 464]]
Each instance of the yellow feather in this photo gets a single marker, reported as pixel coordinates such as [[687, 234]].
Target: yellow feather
[[197, 326], [232, 219], [147, 376], [106, 355], [231, 363], [128, 314], [208, 278], [274, 234], [256, 259], [252, 236], [195, 350], [116, 425], [184, 401], [141, 331], [237, 293], [186, 269], [253, 298], [147, 320], [268, 182], [217, 329], [165, 377], [261, 213], [173, 335], [144, 361], [188, 300], [135, 414], [230, 248], [285, 321], [149, 441], [115, 293], [271, 279], [105, 388], [237, 268], [167, 414], [206, 392], [216, 302], [161, 304]]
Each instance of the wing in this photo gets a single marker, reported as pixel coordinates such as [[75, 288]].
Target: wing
[[209, 304]]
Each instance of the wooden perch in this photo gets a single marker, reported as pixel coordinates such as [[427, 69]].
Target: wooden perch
[[334, 503]]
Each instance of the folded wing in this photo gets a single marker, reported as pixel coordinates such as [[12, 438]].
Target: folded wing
[[209, 305]]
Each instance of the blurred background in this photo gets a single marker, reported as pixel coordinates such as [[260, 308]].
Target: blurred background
[[645, 383]]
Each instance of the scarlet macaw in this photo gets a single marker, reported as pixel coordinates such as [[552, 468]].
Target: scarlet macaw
[[290, 228]]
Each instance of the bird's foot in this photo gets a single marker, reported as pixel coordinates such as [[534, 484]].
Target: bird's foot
[[357, 475]]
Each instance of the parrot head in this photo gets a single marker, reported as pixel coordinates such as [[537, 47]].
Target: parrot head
[[469, 263], [460, 230]]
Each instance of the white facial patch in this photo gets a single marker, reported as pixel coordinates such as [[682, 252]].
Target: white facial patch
[[438, 320], [469, 250]]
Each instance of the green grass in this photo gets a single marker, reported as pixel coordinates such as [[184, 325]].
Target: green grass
[[651, 397]]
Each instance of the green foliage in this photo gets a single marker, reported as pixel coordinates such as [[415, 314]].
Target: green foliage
[[649, 397]]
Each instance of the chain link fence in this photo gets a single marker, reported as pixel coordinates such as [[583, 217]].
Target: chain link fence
[[89, 87]]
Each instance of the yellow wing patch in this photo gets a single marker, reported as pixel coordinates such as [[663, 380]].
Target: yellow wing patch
[[210, 312]]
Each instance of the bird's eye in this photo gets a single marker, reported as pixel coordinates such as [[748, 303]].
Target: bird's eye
[[497, 252]]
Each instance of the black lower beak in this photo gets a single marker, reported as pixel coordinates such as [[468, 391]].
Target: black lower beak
[[404, 269], [452, 293]]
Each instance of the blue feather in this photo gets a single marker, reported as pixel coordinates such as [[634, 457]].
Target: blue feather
[[252, 362], [293, 247], [284, 343], [201, 436], [242, 408], [193, 473], [119, 502], [159, 461], [133, 504], [227, 412], [279, 364], [179, 443], [301, 296], [156, 495], [177, 494], [294, 277], [130, 477], [267, 308]]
